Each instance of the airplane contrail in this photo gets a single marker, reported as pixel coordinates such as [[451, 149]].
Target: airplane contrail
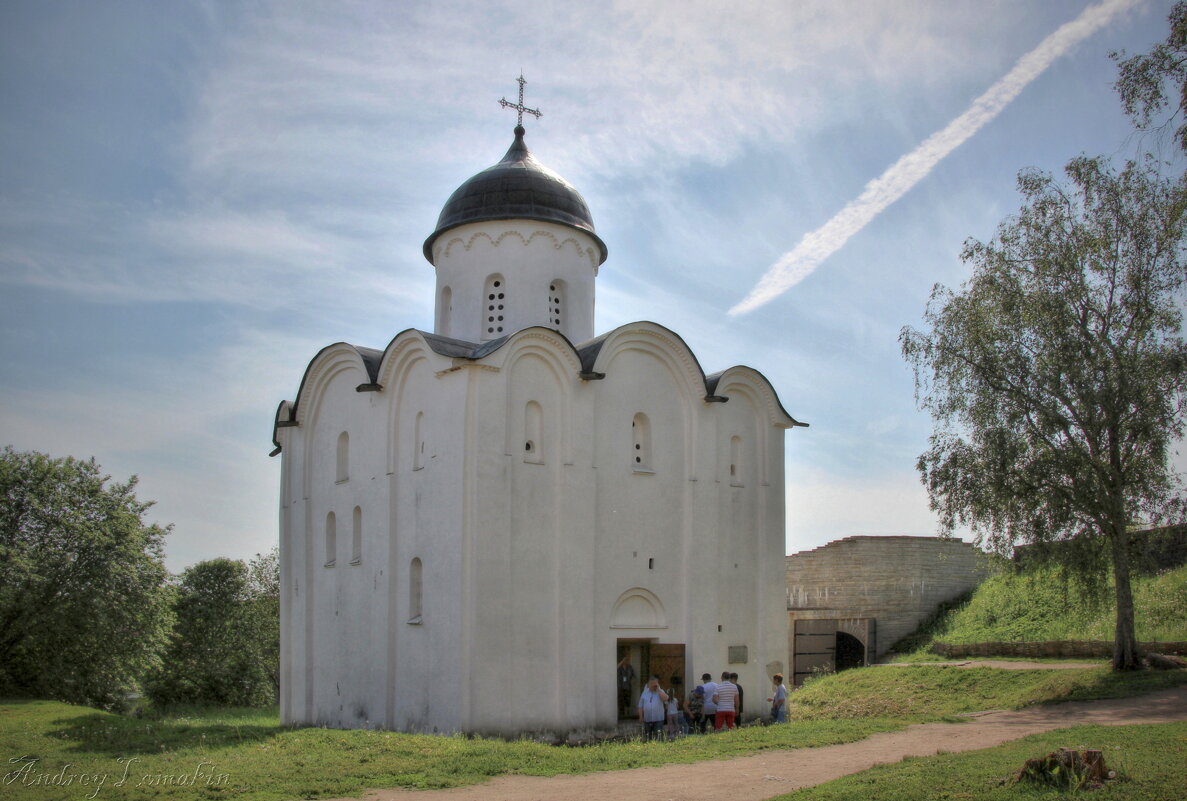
[[816, 246]]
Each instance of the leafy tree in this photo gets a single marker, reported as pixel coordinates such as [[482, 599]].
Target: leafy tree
[[1148, 83], [220, 648], [84, 604], [1055, 377], [264, 593]]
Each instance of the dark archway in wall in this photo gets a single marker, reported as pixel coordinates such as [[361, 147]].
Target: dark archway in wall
[[850, 652]]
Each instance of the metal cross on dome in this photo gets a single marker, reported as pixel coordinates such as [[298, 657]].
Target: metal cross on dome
[[520, 107]]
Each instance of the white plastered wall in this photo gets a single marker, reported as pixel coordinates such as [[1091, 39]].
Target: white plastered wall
[[525, 554], [530, 258]]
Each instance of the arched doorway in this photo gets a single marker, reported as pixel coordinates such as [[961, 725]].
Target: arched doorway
[[850, 652]]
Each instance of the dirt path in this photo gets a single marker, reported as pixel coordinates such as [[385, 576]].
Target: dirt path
[[768, 774]]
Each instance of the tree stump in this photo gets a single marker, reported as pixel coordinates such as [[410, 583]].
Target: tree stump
[[1066, 768]]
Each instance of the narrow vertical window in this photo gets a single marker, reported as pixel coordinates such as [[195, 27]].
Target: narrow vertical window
[[415, 592], [494, 301], [418, 442], [736, 461], [556, 303], [533, 450], [444, 311], [343, 471], [356, 536], [331, 540], [641, 443]]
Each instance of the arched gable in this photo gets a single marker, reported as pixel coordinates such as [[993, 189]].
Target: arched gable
[[329, 362], [559, 362], [746, 379], [638, 608], [664, 344], [743, 429], [328, 366], [402, 358], [550, 345]]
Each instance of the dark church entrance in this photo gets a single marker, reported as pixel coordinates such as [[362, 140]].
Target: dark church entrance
[[665, 660]]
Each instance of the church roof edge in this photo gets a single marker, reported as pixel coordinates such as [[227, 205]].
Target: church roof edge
[[587, 354]]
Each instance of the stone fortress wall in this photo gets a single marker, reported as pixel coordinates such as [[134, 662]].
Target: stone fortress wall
[[855, 597]]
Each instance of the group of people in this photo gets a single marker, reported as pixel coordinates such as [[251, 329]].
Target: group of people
[[711, 706]]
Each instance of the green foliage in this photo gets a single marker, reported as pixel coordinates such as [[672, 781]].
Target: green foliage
[[1039, 605], [936, 624], [1149, 757], [1147, 83], [84, 606], [1056, 376], [225, 646], [264, 591]]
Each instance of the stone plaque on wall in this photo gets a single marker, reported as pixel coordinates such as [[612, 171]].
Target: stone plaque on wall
[[739, 654]]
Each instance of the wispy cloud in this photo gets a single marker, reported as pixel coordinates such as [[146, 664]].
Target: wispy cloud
[[818, 245]]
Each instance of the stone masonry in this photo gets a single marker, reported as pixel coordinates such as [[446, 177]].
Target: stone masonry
[[876, 589]]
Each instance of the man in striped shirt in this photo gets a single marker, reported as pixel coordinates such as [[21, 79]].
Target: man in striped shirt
[[725, 696]]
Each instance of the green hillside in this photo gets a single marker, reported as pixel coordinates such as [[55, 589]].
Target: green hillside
[[1038, 605]]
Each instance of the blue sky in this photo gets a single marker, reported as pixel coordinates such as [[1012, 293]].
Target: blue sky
[[196, 197]]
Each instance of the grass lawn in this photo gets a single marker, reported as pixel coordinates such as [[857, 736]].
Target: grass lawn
[[1149, 758], [246, 754], [263, 760]]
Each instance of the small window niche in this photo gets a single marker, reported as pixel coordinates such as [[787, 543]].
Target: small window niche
[[736, 476], [556, 303], [415, 592], [418, 442], [356, 536], [641, 444], [533, 425], [342, 471], [494, 302], [331, 540]]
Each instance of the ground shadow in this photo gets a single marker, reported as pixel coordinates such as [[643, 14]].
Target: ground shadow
[[100, 732]]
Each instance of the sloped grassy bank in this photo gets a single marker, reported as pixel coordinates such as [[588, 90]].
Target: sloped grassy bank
[[1038, 606], [929, 692]]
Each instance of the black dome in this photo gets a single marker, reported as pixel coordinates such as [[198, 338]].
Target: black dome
[[517, 188]]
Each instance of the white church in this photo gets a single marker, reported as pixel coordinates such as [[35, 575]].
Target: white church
[[477, 523]]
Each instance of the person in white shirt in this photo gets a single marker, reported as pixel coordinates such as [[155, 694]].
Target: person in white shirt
[[778, 700], [652, 712], [710, 709], [674, 714]]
